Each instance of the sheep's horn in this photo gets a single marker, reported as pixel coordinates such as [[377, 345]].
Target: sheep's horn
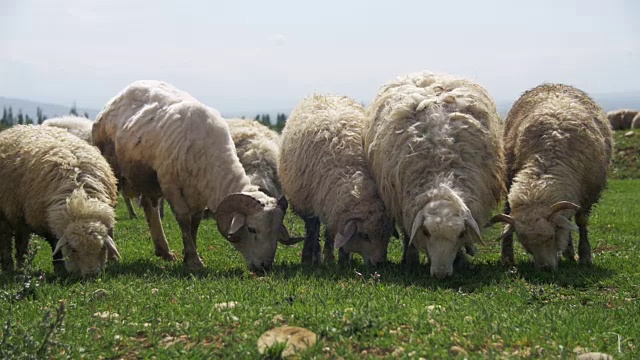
[[231, 206], [111, 249], [291, 241], [501, 218], [562, 205], [62, 242]]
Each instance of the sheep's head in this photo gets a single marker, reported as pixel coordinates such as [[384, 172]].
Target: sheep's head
[[368, 237], [84, 227], [543, 231], [86, 246], [252, 223], [442, 228]]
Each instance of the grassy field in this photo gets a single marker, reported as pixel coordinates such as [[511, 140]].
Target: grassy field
[[143, 307]]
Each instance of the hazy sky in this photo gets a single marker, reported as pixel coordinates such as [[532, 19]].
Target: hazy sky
[[248, 56]]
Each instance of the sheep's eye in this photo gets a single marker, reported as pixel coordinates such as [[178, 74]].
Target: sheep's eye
[[251, 230], [426, 232], [462, 234], [74, 251]]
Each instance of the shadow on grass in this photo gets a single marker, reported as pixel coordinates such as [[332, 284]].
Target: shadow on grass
[[466, 280]]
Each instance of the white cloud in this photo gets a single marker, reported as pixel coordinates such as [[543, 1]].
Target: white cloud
[[277, 39]]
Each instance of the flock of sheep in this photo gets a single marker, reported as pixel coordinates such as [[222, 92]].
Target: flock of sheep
[[429, 156]]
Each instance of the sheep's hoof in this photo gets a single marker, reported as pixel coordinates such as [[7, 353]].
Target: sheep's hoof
[[586, 261], [166, 255], [194, 265], [508, 261]]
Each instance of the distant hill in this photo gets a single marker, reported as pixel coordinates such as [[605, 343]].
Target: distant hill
[[608, 101], [50, 110]]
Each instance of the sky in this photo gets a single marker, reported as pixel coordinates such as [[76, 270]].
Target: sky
[[244, 57]]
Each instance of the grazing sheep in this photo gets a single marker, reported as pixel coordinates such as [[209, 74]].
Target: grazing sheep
[[635, 124], [558, 148], [621, 119], [325, 176], [258, 148], [59, 187], [433, 142], [163, 142], [81, 127]]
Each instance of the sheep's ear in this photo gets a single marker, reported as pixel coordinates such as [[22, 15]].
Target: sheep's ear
[[62, 242], [418, 223], [112, 250], [472, 227], [346, 234], [238, 220]]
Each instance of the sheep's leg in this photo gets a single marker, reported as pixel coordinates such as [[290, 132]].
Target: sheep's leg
[[157, 233], [344, 257], [584, 248], [6, 246], [22, 243], [410, 253], [328, 246], [569, 252], [188, 224], [132, 212], [161, 207], [58, 260], [311, 247], [508, 256]]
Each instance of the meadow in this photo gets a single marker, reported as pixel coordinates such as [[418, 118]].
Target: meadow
[[143, 307]]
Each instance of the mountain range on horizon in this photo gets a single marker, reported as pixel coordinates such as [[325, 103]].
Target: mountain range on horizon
[[608, 101]]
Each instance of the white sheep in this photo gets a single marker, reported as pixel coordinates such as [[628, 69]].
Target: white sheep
[[325, 176], [635, 123], [258, 148], [163, 142], [433, 142], [76, 125], [59, 187], [558, 149], [81, 127]]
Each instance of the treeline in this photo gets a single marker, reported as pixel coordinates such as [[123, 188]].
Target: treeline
[[10, 118], [265, 120]]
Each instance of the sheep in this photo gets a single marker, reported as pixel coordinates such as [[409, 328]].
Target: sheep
[[162, 142], [621, 119], [558, 149], [635, 124], [325, 176], [433, 142], [59, 187], [258, 148], [76, 125], [81, 127]]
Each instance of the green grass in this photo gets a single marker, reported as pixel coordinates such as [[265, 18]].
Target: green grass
[[626, 155], [489, 311]]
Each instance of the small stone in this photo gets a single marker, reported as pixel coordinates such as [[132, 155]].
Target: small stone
[[435, 307], [295, 338], [457, 350], [278, 319], [154, 291], [105, 315], [468, 319], [627, 134], [225, 305], [100, 294], [595, 356], [397, 352]]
